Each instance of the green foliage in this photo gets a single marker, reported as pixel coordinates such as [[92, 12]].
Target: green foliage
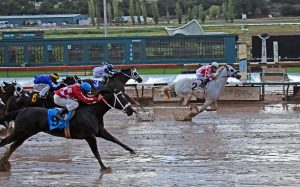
[[178, 13], [190, 14], [202, 13], [131, 11], [92, 14], [155, 12], [214, 11], [144, 11]]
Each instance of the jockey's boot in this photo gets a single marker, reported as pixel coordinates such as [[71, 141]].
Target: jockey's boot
[[204, 83], [104, 80], [61, 114]]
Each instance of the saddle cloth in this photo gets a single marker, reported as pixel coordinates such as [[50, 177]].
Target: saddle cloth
[[56, 123], [98, 84]]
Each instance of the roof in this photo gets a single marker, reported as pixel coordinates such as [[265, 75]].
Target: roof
[[40, 16]]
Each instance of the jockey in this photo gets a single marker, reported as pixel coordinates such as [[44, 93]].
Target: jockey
[[68, 96], [206, 73], [103, 72], [43, 83]]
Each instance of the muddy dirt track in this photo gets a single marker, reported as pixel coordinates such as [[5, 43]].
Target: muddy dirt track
[[240, 145]]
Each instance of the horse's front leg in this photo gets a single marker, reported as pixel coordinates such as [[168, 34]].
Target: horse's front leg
[[107, 136], [205, 105], [213, 106], [93, 145]]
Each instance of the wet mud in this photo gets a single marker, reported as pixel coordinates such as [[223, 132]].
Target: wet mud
[[239, 145]]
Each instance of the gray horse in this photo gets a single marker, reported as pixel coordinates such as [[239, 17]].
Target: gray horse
[[188, 87]]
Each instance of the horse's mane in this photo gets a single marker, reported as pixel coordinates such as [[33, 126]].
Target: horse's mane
[[219, 70]]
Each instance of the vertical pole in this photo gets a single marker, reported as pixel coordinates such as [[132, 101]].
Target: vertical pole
[[105, 18], [275, 51]]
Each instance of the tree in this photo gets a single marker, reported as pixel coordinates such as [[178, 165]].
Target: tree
[[230, 11], [202, 13], [115, 6], [196, 12], [109, 13], [189, 14], [138, 11], [92, 14], [131, 11], [178, 13], [214, 11], [144, 11], [155, 12]]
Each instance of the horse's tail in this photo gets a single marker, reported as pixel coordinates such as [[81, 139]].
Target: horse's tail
[[9, 116], [166, 89]]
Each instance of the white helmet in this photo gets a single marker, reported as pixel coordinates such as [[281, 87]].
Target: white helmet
[[215, 64]]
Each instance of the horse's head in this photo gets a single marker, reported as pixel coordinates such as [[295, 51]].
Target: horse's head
[[228, 71], [132, 73], [116, 99]]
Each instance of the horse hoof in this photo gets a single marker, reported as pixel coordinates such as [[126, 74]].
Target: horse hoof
[[132, 152], [4, 165], [106, 170]]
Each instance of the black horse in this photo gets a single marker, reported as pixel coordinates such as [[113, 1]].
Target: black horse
[[7, 90], [119, 80], [86, 124], [30, 99]]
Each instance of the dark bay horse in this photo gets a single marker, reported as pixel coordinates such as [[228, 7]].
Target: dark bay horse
[[86, 124]]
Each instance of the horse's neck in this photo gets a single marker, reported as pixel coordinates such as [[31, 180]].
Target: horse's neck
[[220, 81], [118, 82]]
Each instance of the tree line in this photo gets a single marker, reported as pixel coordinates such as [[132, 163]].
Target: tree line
[[139, 10]]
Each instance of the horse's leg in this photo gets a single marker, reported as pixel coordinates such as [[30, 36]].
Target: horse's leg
[[93, 145], [107, 136], [4, 163], [205, 105], [213, 106], [186, 100]]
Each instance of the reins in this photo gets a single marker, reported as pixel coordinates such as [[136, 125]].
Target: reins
[[115, 101]]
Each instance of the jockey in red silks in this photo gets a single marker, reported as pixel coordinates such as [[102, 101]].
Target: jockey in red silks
[[68, 96], [206, 73]]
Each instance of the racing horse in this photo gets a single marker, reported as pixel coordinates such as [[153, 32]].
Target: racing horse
[[86, 124], [30, 99], [188, 87], [119, 80], [7, 90]]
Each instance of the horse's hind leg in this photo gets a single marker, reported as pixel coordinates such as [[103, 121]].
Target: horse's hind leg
[[93, 145], [107, 136], [4, 163]]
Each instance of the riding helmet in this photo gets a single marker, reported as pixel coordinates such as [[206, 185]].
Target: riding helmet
[[54, 76], [86, 87], [109, 67], [215, 64]]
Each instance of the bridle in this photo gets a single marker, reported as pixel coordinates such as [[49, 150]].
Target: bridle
[[133, 74], [229, 72], [116, 100]]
